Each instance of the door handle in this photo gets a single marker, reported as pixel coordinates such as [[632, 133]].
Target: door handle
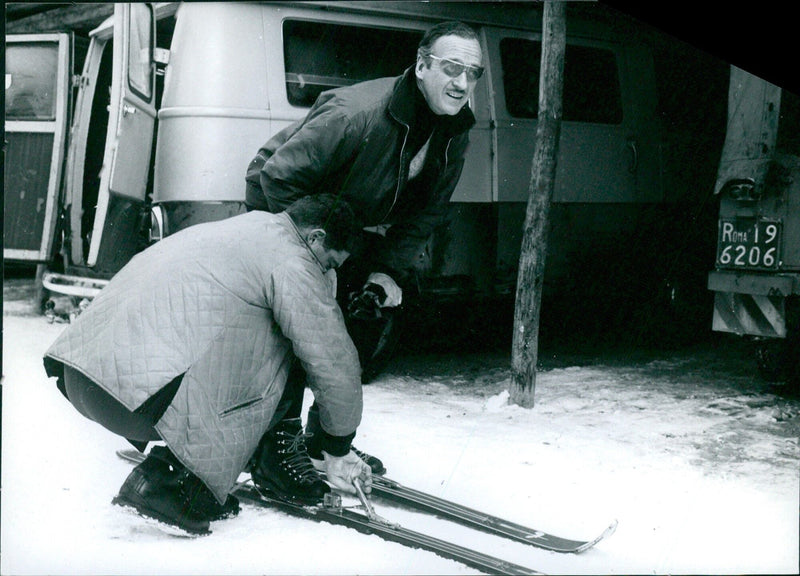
[[127, 109], [634, 165]]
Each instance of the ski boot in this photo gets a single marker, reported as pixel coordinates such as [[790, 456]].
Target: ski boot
[[282, 466], [162, 488], [373, 462]]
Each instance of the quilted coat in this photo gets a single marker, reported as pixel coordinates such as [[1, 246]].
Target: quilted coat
[[229, 304], [354, 141]]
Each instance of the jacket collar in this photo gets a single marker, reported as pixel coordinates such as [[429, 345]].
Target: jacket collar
[[401, 106], [302, 240]]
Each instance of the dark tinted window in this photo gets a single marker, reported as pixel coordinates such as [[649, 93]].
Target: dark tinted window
[[591, 82], [320, 56], [789, 124]]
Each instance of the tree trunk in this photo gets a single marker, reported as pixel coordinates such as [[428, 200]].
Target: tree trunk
[[530, 277]]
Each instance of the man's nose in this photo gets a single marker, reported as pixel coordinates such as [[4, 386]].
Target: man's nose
[[461, 81]]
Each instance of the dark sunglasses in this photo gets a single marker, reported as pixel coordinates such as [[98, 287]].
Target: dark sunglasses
[[454, 69]]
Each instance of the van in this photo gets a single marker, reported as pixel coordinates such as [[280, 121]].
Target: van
[[176, 98], [756, 277]]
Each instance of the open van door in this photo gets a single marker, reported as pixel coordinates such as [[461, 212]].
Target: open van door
[[37, 90], [126, 158]]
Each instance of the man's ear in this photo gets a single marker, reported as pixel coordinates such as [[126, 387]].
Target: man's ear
[[419, 66], [316, 235]]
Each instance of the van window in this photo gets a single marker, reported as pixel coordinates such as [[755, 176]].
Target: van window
[[319, 56], [788, 133], [31, 76], [591, 82], [139, 57]]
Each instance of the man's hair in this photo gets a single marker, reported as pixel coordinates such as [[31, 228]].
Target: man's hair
[[444, 29], [332, 214]]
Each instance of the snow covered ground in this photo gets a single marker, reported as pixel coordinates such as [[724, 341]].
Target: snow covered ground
[[693, 456]]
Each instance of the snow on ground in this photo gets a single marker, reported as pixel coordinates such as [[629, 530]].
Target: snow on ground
[[687, 450]]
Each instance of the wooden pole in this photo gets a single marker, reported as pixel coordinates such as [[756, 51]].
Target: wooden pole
[[530, 277]]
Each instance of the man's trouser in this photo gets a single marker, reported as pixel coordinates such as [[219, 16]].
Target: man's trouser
[[137, 426]]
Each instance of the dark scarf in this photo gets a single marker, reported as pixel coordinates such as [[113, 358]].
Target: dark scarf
[[423, 122]]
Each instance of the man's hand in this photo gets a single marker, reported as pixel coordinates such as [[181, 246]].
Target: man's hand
[[393, 294], [366, 305], [343, 470], [380, 291]]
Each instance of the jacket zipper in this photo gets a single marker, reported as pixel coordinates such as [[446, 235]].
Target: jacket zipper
[[400, 174]]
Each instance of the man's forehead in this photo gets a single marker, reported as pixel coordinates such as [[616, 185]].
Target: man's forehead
[[466, 50]]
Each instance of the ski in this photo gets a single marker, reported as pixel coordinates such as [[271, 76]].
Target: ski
[[453, 511], [366, 522]]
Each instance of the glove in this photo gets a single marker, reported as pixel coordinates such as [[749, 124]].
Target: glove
[[393, 294], [366, 305], [380, 291], [342, 471]]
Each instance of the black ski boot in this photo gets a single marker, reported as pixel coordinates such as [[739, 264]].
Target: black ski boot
[[373, 462], [281, 465], [315, 444], [162, 488]]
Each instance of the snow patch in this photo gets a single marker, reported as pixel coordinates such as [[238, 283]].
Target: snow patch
[[498, 402], [672, 449]]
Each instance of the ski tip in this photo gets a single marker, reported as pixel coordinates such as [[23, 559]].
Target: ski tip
[[606, 533], [610, 530]]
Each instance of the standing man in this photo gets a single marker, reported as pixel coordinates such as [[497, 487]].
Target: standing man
[[191, 343], [394, 149]]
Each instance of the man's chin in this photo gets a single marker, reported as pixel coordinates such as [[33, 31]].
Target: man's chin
[[451, 110]]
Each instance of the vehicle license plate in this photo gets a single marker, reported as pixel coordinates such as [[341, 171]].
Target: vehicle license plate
[[749, 243]]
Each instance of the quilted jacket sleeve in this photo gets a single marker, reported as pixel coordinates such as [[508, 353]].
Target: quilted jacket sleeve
[[307, 313], [322, 144]]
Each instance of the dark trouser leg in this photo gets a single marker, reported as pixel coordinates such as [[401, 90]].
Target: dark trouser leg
[[98, 405], [160, 487], [291, 403], [314, 432], [376, 339]]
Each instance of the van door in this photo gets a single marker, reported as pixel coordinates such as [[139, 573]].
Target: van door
[[598, 152], [607, 169], [37, 90], [129, 138]]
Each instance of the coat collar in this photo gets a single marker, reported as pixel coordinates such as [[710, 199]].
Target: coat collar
[[301, 239], [401, 106]]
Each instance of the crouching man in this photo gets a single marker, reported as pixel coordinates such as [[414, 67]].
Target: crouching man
[[191, 344]]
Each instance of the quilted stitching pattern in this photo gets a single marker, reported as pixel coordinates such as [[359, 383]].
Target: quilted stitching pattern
[[226, 303]]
